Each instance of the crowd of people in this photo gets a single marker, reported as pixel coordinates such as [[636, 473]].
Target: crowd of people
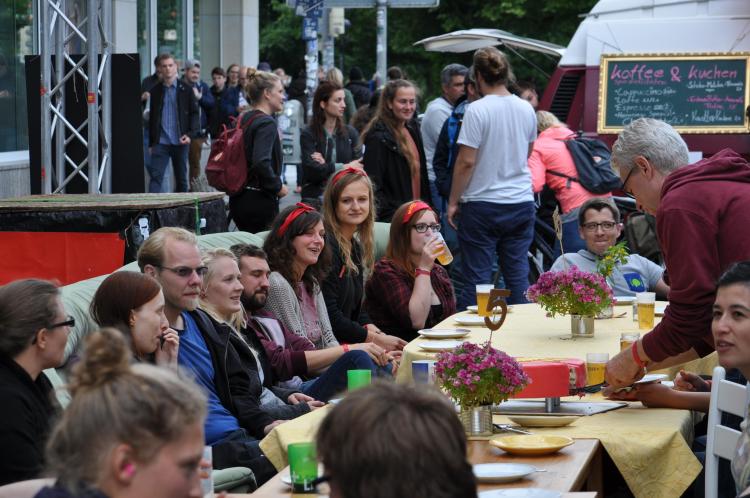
[[218, 347]]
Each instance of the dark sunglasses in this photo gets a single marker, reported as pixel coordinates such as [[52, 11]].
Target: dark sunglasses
[[186, 271]]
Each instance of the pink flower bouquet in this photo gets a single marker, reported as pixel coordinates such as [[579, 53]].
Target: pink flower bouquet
[[479, 375], [571, 292]]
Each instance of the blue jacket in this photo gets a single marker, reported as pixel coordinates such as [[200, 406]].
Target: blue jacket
[[206, 105], [225, 107], [446, 149]]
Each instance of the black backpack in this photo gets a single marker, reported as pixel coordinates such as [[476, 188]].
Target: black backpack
[[592, 160]]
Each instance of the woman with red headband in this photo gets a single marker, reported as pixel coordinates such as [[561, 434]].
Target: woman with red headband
[[349, 216], [408, 291], [327, 143], [297, 256]]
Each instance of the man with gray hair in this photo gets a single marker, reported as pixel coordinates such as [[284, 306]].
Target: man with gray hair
[[701, 218], [452, 82]]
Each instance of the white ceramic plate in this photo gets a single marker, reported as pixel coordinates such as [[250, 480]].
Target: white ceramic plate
[[474, 308], [334, 401], [502, 472], [444, 333], [623, 300], [542, 420], [651, 378], [469, 320], [520, 493], [287, 479], [659, 309], [439, 345]]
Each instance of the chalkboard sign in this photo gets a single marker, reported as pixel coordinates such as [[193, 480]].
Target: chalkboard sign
[[695, 93]]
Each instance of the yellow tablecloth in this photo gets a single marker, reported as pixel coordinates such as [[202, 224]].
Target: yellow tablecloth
[[649, 446], [299, 430]]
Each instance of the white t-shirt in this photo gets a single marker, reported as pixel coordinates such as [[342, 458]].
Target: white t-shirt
[[432, 122], [501, 129]]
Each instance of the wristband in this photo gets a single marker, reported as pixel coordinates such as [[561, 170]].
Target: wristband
[[421, 271], [345, 347], [636, 358]]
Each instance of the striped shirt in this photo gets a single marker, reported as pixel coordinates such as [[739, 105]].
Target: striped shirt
[[170, 129]]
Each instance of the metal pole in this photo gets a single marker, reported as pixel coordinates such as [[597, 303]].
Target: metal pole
[[328, 49], [60, 100], [107, 98], [45, 84], [92, 97], [382, 40]]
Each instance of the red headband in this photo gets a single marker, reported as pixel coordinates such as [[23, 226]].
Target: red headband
[[353, 171], [413, 208], [301, 208]]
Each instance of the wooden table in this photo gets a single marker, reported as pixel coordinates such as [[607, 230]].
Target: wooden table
[[573, 468]]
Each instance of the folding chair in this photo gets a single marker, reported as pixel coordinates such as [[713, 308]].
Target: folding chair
[[726, 396]]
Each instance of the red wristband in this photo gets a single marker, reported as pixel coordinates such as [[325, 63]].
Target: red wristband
[[636, 358], [346, 348], [421, 271]]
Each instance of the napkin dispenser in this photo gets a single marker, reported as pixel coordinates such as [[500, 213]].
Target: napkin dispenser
[[553, 378]]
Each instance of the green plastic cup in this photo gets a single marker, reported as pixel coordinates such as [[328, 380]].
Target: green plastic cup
[[358, 378], [303, 466]]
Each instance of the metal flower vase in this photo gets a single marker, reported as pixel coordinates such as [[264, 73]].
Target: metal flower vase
[[477, 420], [581, 326]]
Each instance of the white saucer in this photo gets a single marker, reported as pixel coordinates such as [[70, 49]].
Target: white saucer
[[502, 472], [543, 420], [439, 345], [444, 333], [650, 378], [520, 493], [469, 320], [622, 300], [474, 308], [659, 309]]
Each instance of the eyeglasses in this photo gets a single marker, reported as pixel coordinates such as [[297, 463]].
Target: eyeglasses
[[70, 322], [625, 182], [606, 226], [422, 227], [186, 271]]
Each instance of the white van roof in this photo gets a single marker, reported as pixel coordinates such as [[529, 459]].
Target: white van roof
[[659, 26]]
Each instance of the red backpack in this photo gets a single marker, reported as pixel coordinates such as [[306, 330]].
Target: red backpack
[[226, 169]]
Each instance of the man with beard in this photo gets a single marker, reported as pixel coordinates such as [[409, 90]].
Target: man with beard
[[294, 361]]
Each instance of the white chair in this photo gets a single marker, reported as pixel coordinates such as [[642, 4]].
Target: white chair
[[730, 397]]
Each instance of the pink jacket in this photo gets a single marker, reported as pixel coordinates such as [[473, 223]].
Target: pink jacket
[[550, 154]]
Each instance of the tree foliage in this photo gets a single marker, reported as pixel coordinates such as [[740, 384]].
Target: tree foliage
[[549, 20]]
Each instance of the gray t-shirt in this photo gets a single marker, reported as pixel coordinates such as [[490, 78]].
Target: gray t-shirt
[[501, 129], [638, 274], [432, 122]]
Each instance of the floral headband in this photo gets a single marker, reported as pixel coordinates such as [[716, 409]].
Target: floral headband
[[349, 170], [413, 208], [301, 208]]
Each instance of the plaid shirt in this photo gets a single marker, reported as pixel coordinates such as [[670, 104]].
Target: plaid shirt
[[387, 296], [170, 129]]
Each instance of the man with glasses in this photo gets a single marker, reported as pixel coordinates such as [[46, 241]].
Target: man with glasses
[[235, 421], [599, 226], [701, 222]]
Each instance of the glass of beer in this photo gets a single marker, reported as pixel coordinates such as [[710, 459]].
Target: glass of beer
[[627, 339], [595, 365], [483, 297], [445, 257], [646, 302]]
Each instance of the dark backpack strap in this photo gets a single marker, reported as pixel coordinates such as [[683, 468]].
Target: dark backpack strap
[[563, 175]]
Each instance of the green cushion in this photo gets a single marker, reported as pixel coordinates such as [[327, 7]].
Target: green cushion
[[382, 232], [234, 480]]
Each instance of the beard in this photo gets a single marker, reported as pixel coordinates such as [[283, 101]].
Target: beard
[[255, 301]]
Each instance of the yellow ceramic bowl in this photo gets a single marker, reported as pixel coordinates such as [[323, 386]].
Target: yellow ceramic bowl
[[531, 444]]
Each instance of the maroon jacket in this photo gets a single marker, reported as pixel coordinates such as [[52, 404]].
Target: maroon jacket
[[287, 360], [702, 226]]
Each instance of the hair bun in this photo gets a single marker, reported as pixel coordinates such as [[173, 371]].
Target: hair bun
[[106, 357]]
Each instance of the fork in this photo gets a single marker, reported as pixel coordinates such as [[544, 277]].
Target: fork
[[510, 428]]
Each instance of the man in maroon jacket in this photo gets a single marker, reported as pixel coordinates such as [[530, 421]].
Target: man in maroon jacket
[[294, 360], [702, 213]]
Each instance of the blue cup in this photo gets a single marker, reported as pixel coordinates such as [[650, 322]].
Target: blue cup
[[423, 371]]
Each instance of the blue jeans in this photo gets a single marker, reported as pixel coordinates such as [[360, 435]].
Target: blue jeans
[[160, 156], [333, 381], [437, 200], [486, 229]]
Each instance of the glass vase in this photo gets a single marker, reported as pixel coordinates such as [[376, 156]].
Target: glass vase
[[477, 420], [581, 326]]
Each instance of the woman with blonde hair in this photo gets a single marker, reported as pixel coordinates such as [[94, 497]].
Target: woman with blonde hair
[[394, 156], [221, 298], [551, 164], [349, 218], [129, 431], [258, 203], [408, 291]]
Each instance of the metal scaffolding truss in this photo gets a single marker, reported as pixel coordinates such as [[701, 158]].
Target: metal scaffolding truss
[[56, 33]]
